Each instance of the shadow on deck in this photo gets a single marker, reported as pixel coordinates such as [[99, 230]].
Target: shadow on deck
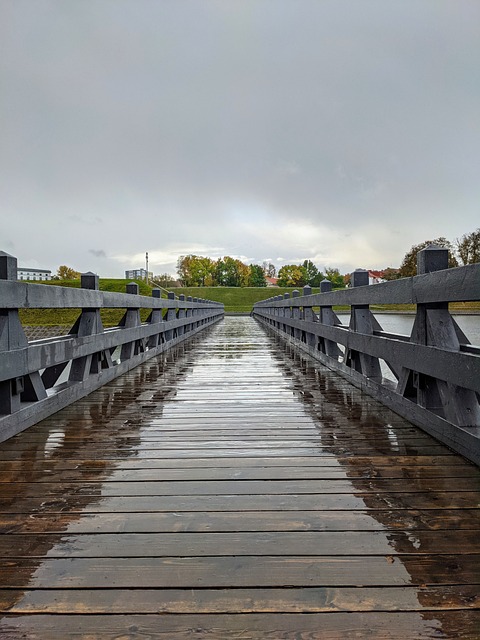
[[235, 489]]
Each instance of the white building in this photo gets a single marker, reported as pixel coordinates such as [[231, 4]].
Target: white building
[[33, 274], [138, 274]]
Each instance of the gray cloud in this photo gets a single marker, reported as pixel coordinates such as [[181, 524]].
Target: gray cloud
[[98, 253], [338, 131]]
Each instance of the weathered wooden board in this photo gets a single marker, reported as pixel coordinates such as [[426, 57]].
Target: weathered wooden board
[[249, 571], [51, 521], [394, 625], [139, 487], [287, 600], [323, 543]]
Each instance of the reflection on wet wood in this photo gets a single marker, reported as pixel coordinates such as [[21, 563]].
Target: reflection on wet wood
[[233, 489]]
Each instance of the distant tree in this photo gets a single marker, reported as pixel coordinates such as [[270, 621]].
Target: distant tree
[[256, 276], [269, 269], [335, 278], [231, 272], [184, 269], [195, 271], [291, 275], [164, 280], [468, 247], [313, 276], [390, 274], [203, 271], [67, 273], [243, 271], [409, 265]]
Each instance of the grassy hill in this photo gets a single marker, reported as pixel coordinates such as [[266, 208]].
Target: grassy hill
[[235, 299]]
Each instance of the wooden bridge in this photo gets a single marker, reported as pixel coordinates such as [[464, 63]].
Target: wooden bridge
[[236, 490], [230, 487]]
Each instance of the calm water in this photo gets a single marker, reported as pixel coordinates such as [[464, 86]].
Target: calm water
[[403, 323]]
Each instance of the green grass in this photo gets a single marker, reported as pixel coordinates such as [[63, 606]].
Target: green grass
[[106, 284], [235, 299]]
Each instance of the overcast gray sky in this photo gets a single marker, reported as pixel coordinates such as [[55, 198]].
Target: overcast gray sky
[[342, 131]]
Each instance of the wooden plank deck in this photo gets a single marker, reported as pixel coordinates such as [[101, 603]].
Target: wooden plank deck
[[235, 490]]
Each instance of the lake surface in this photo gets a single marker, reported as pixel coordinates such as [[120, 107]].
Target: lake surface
[[403, 322]]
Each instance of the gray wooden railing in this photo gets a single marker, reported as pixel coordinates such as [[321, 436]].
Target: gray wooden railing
[[436, 371], [40, 377]]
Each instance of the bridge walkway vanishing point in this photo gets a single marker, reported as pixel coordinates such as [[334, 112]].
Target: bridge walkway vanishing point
[[232, 488]]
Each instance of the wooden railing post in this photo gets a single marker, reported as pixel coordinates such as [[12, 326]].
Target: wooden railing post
[[277, 312], [296, 333], [309, 316], [287, 313], [170, 315], [131, 319], [88, 323], [189, 326], [181, 314], [362, 321], [155, 318], [434, 326], [29, 387], [195, 313], [12, 336], [328, 317]]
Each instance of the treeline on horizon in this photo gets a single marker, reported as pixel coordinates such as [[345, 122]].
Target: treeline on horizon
[[201, 271]]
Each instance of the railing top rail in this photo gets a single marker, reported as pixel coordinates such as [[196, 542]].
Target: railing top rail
[[460, 284], [23, 295]]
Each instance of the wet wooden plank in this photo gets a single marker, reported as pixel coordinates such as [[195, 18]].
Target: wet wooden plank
[[239, 503], [38, 460], [239, 544], [223, 521], [116, 441], [249, 572], [402, 625], [307, 450], [422, 474], [108, 488], [287, 600]]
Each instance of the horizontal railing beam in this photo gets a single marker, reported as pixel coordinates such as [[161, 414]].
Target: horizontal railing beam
[[21, 295], [461, 284]]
